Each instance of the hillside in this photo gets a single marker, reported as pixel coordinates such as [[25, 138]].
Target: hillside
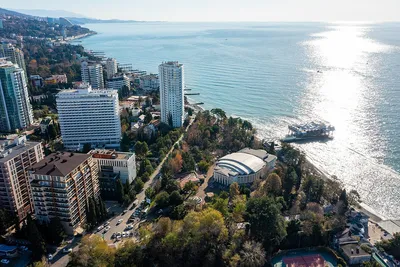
[[13, 13]]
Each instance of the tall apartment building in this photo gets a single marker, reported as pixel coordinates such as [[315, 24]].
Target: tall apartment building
[[113, 165], [111, 67], [118, 81], [89, 116], [13, 54], [92, 74], [16, 157], [62, 184], [172, 82], [15, 108]]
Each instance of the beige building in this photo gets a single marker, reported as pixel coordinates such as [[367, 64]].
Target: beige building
[[62, 184], [16, 157]]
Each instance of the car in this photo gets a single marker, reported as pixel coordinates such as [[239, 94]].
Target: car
[[130, 233], [119, 221], [67, 250], [124, 234], [5, 261], [129, 227], [113, 236], [49, 257], [100, 228], [133, 206], [106, 224], [125, 211], [106, 229], [118, 234]]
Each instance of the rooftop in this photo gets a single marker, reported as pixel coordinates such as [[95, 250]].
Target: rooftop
[[172, 63], [351, 250], [13, 146], [59, 164], [109, 154]]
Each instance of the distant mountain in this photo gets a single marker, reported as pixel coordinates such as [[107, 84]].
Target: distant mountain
[[49, 13], [75, 20], [12, 13]]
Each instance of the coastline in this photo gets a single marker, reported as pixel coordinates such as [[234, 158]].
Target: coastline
[[324, 175], [81, 36]]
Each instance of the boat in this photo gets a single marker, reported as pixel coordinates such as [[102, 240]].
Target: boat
[[309, 132]]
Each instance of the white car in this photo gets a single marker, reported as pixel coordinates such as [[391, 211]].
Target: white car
[[49, 257], [67, 250], [106, 229], [119, 221], [107, 224], [100, 228], [129, 227], [5, 261]]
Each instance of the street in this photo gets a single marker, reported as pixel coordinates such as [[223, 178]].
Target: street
[[61, 260]]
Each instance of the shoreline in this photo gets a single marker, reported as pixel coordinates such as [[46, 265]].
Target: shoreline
[[324, 175]]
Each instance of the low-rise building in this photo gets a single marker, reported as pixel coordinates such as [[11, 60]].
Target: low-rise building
[[354, 254], [244, 166], [118, 81], [36, 81], [56, 79], [149, 82], [62, 184], [16, 157]]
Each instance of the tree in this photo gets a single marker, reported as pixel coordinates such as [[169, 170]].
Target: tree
[[188, 162], [263, 213], [93, 251], [273, 184], [91, 216], [148, 118], [391, 246], [119, 192], [150, 192], [189, 187], [141, 149], [252, 254], [203, 166], [56, 231], [313, 187], [36, 239], [139, 185], [125, 143], [179, 212], [129, 254], [234, 190], [86, 147], [221, 205], [175, 198], [162, 199], [52, 131]]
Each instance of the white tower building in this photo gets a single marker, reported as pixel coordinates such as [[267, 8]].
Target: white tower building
[[89, 116], [111, 67], [172, 82], [92, 74]]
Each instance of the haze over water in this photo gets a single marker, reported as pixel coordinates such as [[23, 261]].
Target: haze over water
[[268, 73]]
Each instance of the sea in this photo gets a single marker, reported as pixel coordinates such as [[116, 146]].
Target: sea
[[276, 74]]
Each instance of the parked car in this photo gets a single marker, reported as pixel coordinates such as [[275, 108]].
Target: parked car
[[5, 261], [106, 229], [130, 233], [129, 227], [113, 236], [49, 257], [100, 228], [119, 221], [125, 211], [67, 250]]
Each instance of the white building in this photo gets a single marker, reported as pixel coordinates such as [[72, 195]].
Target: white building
[[244, 166], [118, 81], [89, 116], [13, 54], [111, 67], [122, 163], [171, 76], [15, 108], [149, 82], [92, 74]]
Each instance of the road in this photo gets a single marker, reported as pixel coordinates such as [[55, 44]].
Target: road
[[62, 260]]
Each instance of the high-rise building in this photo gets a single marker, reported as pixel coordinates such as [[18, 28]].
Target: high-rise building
[[172, 82], [111, 67], [16, 157], [92, 74], [15, 108], [62, 184], [112, 166], [13, 54], [89, 116], [118, 81]]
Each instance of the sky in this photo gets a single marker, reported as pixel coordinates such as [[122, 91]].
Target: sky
[[223, 10]]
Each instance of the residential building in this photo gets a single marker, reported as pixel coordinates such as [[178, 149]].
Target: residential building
[[92, 74], [13, 54], [171, 93], [354, 254], [15, 108], [16, 157], [89, 116], [111, 67], [118, 81], [56, 79], [112, 166], [36, 81], [244, 166], [62, 184], [149, 82]]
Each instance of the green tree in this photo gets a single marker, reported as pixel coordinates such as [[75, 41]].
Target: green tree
[[150, 192], [189, 187], [36, 239], [125, 143], [203, 166], [234, 190], [52, 131], [221, 205], [119, 192], [263, 213], [56, 231], [175, 198], [139, 185], [252, 254], [179, 212], [162, 199], [391, 246], [86, 147], [141, 149], [273, 184], [148, 118], [188, 162]]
